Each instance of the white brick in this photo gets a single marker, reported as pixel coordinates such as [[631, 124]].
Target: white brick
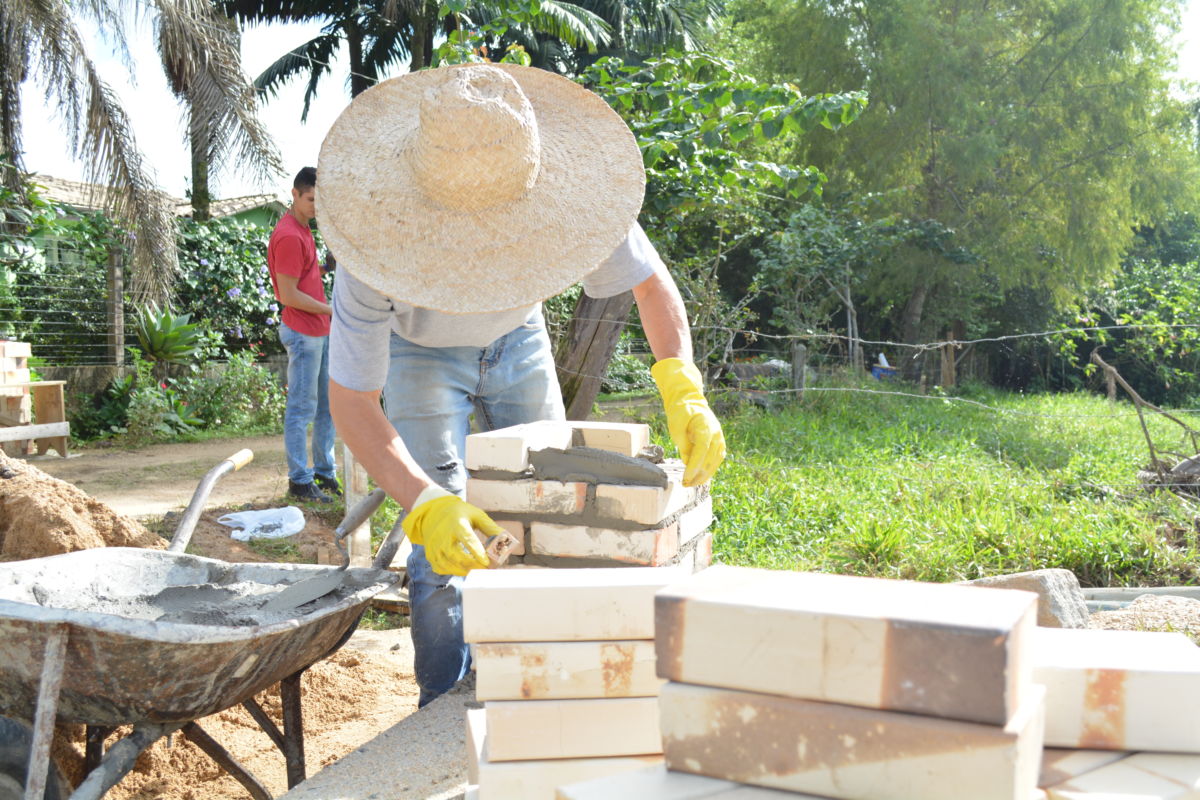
[[657, 783], [652, 547], [507, 449], [564, 670], [648, 547], [1142, 776], [1059, 764], [702, 553], [527, 730], [536, 780], [842, 639], [15, 349], [847, 752], [527, 496], [616, 437], [517, 531], [645, 505], [1119, 690], [562, 605]]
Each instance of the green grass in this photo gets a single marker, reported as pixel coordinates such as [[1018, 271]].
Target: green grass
[[940, 489]]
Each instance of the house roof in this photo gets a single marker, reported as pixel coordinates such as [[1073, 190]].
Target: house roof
[[90, 197]]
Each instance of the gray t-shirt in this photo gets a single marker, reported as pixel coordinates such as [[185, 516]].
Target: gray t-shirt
[[363, 318]]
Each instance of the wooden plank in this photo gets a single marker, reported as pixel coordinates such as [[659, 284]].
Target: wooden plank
[[20, 433]]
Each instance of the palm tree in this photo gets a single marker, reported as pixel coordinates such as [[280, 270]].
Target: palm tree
[[203, 68], [43, 37], [383, 35]]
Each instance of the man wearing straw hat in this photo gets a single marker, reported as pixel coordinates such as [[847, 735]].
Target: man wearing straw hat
[[456, 200]]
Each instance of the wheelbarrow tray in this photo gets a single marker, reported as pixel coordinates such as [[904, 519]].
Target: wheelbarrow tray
[[129, 659]]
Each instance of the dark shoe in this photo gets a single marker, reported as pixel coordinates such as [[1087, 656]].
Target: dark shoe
[[328, 485], [308, 492]]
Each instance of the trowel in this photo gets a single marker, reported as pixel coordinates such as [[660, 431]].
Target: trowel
[[305, 591]]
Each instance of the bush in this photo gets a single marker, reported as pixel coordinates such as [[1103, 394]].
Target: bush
[[224, 280]]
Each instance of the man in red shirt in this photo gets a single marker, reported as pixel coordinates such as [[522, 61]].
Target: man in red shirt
[[304, 331]]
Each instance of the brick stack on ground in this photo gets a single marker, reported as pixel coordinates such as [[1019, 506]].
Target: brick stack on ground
[[15, 404], [837, 687], [848, 688], [589, 494], [564, 666], [1122, 714]]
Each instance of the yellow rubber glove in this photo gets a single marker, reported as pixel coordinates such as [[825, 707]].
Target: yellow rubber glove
[[693, 426], [445, 524]]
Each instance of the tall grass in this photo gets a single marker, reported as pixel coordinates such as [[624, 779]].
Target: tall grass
[[942, 489]]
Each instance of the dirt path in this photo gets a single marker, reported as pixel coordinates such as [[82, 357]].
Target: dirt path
[[153, 480]]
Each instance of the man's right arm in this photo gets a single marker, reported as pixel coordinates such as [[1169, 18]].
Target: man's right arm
[[358, 354], [365, 429]]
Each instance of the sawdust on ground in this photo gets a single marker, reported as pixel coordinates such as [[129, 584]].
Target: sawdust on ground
[[348, 698]]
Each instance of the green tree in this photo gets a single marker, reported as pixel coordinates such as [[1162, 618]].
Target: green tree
[[44, 39], [1036, 135]]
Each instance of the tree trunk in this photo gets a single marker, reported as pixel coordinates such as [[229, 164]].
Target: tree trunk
[[588, 346], [359, 82], [910, 326], [198, 139]]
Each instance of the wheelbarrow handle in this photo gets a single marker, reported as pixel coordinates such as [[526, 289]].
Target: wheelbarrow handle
[[191, 515]]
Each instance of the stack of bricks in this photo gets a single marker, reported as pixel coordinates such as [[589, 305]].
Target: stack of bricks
[[15, 405], [564, 665], [924, 675], [841, 687], [1108, 694], [588, 494]]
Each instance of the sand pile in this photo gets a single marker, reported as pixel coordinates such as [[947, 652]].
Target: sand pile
[[43, 516]]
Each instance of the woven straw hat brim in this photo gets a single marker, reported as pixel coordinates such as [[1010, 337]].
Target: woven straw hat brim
[[381, 227]]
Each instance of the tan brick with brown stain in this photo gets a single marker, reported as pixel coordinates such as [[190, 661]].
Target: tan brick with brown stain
[[846, 752], [863, 641], [563, 670]]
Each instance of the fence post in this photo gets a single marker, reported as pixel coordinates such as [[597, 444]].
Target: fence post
[[355, 487], [799, 368], [116, 309], [948, 376]]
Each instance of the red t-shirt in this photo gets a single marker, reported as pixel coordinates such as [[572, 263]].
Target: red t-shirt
[[292, 251]]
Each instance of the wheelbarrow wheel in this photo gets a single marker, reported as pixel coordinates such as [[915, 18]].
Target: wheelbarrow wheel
[[16, 739]]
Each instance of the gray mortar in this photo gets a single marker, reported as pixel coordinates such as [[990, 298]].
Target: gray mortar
[[193, 591], [591, 465]]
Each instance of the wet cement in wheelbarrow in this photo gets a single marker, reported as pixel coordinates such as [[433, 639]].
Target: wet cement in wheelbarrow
[[348, 698]]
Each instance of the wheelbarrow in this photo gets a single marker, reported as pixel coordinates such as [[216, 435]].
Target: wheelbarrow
[[158, 639]]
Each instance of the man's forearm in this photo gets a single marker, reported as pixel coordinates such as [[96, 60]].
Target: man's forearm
[[364, 428], [664, 318]]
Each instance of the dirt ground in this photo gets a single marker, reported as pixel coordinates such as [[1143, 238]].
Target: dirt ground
[[110, 497]]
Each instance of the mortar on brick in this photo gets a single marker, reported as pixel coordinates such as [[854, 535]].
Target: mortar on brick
[[590, 465]]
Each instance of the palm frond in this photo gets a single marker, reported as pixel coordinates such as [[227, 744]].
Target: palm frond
[[200, 53], [103, 140], [314, 57]]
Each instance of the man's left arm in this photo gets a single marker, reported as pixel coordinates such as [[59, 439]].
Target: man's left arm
[[693, 426]]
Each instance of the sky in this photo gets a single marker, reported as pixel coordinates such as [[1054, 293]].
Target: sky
[[161, 135]]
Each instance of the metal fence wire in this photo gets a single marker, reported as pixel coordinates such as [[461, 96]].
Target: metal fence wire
[[58, 298]]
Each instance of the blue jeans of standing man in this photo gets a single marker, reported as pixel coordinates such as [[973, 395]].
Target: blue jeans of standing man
[[307, 403], [430, 395]]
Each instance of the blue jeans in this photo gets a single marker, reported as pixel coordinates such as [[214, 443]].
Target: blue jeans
[[307, 403], [430, 395]]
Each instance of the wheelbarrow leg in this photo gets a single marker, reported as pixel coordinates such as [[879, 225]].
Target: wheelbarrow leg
[[199, 737], [293, 728], [93, 748], [290, 740], [47, 711], [120, 759]]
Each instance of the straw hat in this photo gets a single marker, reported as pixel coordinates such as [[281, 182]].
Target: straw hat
[[478, 187]]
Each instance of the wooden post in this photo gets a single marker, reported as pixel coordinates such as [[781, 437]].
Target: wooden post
[[587, 348], [116, 309], [948, 376], [1111, 383], [799, 367], [355, 486]]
